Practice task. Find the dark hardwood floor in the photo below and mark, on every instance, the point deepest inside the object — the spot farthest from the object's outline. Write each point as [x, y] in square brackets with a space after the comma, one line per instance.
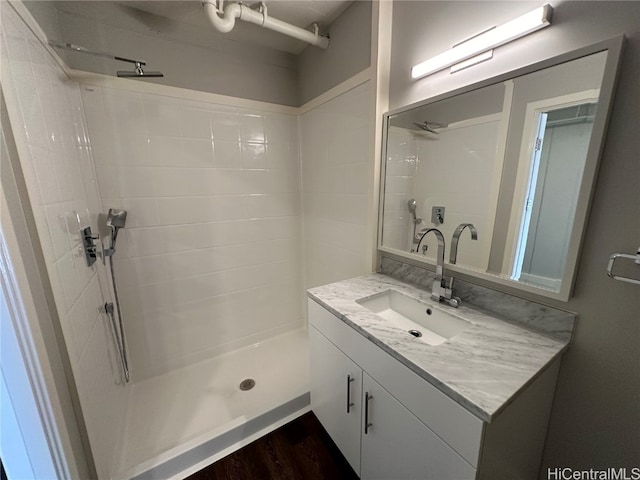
[299, 450]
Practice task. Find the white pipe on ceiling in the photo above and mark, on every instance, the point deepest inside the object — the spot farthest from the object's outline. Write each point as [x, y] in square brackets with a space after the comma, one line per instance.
[226, 22]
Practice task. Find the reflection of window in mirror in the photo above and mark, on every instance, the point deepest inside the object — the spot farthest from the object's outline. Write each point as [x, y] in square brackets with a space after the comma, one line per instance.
[560, 146]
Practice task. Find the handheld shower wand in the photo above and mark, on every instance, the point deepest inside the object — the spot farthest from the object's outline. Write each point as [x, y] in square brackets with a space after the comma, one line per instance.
[116, 219]
[412, 205]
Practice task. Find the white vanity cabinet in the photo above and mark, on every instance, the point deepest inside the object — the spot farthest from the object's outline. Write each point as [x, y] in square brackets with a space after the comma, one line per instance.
[397, 445]
[378, 435]
[336, 395]
[367, 423]
[390, 423]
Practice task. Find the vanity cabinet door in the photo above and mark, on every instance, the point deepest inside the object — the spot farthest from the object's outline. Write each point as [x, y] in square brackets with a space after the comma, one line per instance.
[336, 386]
[397, 445]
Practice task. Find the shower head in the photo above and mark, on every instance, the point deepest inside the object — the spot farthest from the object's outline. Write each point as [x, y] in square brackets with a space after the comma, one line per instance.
[412, 204]
[128, 74]
[138, 72]
[430, 127]
[116, 219]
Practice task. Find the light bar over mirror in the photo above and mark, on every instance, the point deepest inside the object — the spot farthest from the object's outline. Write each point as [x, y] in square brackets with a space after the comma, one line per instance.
[494, 37]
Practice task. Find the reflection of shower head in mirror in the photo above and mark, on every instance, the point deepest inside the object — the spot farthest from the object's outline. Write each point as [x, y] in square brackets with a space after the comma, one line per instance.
[430, 127]
[411, 205]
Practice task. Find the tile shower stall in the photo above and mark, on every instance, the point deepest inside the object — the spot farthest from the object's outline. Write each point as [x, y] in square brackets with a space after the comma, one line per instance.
[232, 213]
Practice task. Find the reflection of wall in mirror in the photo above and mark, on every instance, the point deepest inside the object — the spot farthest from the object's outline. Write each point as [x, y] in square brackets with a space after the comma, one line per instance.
[459, 170]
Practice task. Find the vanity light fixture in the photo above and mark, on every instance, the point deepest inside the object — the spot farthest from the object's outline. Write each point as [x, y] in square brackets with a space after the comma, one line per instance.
[480, 44]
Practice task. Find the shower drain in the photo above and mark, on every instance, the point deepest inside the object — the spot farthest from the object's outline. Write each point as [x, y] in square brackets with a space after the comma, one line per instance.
[247, 384]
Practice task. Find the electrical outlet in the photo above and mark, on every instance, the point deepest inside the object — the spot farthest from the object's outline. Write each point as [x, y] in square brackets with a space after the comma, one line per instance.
[437, 215]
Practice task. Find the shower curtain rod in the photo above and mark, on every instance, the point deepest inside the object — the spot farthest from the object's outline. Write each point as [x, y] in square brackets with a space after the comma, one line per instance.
[224, 19]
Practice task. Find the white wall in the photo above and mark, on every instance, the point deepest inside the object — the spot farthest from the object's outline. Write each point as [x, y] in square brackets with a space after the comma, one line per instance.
[23, 441]
[595, 415]
[210, 257]
[45, 111]
[334, 151]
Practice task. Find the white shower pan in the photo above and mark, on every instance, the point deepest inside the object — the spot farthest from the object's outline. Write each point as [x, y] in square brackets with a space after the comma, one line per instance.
[182, 421]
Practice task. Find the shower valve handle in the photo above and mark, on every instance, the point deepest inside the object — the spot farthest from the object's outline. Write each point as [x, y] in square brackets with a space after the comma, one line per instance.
[89, 247]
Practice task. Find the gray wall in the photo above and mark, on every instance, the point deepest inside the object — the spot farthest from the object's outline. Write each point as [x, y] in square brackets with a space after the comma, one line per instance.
[224, 66]
[595, 419]
[349, 53]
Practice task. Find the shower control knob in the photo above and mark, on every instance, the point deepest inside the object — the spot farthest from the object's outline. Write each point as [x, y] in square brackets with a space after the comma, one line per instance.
[88, 245]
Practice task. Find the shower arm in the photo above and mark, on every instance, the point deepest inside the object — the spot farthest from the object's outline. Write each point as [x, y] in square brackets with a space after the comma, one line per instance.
[138, 64]
[223, 18]
[78, 48]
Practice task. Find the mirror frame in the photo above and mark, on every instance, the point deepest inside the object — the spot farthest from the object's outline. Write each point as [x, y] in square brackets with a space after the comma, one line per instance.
[613, 47]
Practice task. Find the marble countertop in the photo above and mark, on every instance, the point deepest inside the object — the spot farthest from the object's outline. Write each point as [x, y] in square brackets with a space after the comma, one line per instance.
[483, 368]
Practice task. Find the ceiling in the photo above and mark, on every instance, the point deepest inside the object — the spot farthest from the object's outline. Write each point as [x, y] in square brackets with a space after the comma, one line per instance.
[186, 19]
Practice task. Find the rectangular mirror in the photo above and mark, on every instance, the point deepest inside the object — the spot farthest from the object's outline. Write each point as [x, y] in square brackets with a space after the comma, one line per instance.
[516, 157]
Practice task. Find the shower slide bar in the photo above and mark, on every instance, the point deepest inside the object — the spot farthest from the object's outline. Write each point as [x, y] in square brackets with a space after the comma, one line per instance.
[612, 260]
[115, 221]
[109, 309]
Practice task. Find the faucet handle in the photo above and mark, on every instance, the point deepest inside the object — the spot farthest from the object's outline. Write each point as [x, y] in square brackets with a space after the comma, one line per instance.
[454, 302]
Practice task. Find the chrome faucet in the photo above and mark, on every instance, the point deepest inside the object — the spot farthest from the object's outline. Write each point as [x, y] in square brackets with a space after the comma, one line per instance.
[440, 292]
[454, 247]
[456, 238]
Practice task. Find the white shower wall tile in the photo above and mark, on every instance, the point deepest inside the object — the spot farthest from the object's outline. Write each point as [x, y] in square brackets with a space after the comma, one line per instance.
[162, 117]
[80, 325]
[225, 126]
[45, 113]
[194, 123]
[213, 213]
[252, 128]
[227, 153]
[281, 130]
[335, 177]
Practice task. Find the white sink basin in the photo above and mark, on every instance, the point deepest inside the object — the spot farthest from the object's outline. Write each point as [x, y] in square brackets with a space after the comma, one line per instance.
[425, 322]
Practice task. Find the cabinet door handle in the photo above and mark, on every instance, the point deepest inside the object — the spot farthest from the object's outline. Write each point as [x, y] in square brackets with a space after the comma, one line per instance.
[349, 402]
[367, 397]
